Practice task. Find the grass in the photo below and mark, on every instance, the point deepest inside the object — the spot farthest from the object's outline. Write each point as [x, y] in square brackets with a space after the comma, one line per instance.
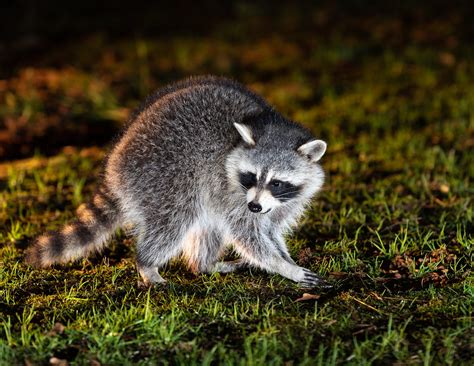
[392, 230]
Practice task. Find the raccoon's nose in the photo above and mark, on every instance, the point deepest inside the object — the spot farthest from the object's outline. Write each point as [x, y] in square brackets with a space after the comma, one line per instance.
[255, 207]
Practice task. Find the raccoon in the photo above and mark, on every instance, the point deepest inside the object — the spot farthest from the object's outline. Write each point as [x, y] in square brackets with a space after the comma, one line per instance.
[202, 165]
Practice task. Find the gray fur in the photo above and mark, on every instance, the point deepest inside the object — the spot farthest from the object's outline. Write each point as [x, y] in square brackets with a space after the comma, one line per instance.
[174, 175]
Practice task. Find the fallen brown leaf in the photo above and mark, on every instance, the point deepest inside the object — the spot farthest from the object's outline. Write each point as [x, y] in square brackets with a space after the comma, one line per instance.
[444, 188]
[307, 297]
[54, 361]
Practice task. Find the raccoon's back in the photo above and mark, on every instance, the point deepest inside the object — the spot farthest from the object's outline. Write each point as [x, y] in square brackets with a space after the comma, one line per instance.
[185, 131]
[194, 119]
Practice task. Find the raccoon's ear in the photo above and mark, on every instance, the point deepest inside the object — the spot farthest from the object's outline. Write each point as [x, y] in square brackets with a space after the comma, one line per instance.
[314, 150]
[246, 133]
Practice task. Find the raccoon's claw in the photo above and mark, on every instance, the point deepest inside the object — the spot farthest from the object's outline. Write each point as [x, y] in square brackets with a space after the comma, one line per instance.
[311, 280]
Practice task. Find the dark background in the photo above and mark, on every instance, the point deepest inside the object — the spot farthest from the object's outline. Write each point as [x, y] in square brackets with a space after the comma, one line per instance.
[135, 47]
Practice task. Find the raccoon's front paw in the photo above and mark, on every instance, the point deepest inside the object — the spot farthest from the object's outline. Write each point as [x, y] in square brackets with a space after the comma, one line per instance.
[311, 279]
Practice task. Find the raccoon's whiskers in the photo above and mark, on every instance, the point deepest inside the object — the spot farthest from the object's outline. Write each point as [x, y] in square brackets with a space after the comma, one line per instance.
[244, 188]
[287, 193]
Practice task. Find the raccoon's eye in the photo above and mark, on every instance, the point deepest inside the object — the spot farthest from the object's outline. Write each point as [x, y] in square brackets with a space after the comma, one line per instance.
[248, 180]
[283, 191]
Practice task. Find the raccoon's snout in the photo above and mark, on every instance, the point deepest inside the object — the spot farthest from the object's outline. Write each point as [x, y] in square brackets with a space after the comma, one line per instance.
[255, 207]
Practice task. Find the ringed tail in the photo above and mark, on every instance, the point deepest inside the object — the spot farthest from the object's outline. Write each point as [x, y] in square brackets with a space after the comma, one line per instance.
[95, 223]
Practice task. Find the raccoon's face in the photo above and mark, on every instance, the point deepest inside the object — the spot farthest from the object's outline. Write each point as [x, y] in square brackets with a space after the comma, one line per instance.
[265, 191]
[271, 176]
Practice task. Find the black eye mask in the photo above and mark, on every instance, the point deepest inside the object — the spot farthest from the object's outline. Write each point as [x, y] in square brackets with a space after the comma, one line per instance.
[248, 180]
[283, 191]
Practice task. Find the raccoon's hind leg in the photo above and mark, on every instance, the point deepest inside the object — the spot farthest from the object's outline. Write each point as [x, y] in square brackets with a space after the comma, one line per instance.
[229, 266]
[152, 254]
[157, 244]
[150, 275]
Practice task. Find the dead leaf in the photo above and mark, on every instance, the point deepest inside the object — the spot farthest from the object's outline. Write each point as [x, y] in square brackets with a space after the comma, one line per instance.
[444, 188]
[54, 361]
[307, 297]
